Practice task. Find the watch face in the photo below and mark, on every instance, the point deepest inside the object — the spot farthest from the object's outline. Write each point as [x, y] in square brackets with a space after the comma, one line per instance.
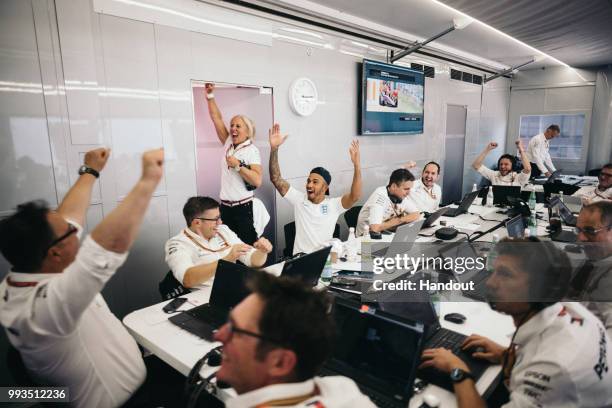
[456, 374]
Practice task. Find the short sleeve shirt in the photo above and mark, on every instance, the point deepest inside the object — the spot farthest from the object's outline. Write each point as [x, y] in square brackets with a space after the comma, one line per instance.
[379, 208]
[232, 184]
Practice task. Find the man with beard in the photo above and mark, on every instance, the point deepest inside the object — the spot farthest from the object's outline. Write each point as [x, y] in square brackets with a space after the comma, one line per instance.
[603, 191]
[560, 353]
[426, 194]
[504, 176]
[315, 214]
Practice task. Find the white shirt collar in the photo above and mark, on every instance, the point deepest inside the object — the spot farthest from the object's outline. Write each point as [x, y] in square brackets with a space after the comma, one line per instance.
[271, 393]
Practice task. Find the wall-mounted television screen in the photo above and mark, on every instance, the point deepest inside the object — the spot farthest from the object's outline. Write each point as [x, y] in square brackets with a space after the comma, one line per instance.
[391, 99]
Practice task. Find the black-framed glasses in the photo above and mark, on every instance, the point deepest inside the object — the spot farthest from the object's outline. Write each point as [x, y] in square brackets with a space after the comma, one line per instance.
[590, 231]
[216, 219]
[71, 230]
[232, 328]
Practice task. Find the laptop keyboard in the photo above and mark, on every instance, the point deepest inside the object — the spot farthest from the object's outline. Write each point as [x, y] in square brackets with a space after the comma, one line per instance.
[214, 317]
[447, 339]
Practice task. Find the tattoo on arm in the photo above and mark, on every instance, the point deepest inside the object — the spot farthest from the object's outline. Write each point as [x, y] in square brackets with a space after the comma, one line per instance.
[281, 184]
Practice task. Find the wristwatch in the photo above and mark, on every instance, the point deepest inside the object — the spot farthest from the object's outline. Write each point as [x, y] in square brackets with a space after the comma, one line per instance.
[457, 375]
[86, 169]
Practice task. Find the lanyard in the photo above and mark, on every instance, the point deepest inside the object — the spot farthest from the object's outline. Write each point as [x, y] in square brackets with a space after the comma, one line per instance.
[195, 241]
[430, 192]
[244, 144]
[20, 284]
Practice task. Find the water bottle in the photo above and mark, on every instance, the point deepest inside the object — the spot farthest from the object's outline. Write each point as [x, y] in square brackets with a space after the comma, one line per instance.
[474, 187]
[366, 233]
[326, 275]
[532, 201]
[351, 245]
[526, 233]
[490, 197]
[533, 225]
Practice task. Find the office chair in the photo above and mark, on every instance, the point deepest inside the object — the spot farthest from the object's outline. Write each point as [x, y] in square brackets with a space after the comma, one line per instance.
[169, 287]
[352, 215]
[290, 238]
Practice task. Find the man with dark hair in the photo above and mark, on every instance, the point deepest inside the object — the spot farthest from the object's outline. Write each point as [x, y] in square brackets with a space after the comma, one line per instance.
[193, 253]
[602, 191]
[425, 193]
[560, 353]
[315, 213]
[274, 343]
[592, 283]
[537, 152]
[389, 206]
[50, 302]
[504, 175]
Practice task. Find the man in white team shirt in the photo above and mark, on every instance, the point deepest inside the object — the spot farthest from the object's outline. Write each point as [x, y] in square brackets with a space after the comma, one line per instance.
[537, 152]
[560, 355]
[389, 206]
[193, 253]
[600, 192]
[425, 193]
[315, 214]
[50, 302]
[275, 342]
[504, 176]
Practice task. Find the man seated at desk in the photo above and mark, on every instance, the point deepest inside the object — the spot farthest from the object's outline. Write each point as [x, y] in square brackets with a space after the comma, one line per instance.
[425, 194]
[193, 253]
[389, 206]
[602, 191]
[503, 176]
[274, 343]
[315, 213]
[560, 354]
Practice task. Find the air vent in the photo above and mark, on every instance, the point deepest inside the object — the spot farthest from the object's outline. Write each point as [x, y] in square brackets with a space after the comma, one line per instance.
[430, 72]
[466, 77]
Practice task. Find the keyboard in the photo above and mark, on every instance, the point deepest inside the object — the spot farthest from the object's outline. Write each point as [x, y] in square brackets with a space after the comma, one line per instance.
[453, 212]
[211, 315]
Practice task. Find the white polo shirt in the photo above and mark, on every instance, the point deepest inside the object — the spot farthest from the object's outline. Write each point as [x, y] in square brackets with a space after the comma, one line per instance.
[511, 179]
[232, 184]
[314, 223]
[563, 359]
[592, 194]
[187, 249]
[328, 392]
[379, 208]
[537, 152]
[66, 334]
[425, 200]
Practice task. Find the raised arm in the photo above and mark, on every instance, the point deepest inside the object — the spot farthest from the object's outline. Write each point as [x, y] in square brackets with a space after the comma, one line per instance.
[118, 230]
[277, 139]
[215, 113]
[353, 196]
[76, 202]
[524, 159]
[478, 162]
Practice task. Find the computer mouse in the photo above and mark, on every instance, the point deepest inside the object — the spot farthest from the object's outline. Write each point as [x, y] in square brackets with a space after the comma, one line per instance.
[457, 318]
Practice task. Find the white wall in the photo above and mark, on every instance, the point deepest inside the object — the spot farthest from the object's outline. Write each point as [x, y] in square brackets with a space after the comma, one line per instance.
[128, 86]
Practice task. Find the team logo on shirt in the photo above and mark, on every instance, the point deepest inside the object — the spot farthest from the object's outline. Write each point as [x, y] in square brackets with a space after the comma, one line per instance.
[602, 366]
[324, 209]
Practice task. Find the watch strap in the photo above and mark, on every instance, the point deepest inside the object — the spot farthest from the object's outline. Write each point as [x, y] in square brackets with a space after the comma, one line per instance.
[86, 169]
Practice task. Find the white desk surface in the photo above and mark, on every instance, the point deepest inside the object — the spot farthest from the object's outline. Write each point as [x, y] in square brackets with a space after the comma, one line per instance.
[181, 350]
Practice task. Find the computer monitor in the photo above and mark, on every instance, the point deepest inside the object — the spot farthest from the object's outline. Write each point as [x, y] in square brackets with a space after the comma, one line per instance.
[501, 194]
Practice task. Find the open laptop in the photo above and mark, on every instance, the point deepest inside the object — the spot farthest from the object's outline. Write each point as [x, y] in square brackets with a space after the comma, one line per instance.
[228, 290]
[559, 188]
[404, 238]
[515, 227]
[308, 267]
[475, 274]
[380, 352]
[501, 194]
[545, 180]
[568, 218]
[435, 335]
[465, 204]
[433, 217]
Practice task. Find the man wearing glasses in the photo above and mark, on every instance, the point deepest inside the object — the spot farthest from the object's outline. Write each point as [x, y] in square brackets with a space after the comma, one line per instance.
[50, 302]
[560, 354]
[603, 191]
[592, 284]
[193, 253]
[274, 343]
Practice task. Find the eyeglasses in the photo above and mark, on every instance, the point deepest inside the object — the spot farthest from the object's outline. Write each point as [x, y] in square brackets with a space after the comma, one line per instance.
[216, 219]
[71, 230]
[604, 175]
[590, 231]
[231, 329]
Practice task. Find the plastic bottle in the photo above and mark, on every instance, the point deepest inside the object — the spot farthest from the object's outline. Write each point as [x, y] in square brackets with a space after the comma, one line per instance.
[492, 253]
[532, 201]
[533, 225]
[326, 275]
[490, 197]
[351, 245]
[474, 187]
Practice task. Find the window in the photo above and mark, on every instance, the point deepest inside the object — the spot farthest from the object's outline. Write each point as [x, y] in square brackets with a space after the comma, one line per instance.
[568, 145]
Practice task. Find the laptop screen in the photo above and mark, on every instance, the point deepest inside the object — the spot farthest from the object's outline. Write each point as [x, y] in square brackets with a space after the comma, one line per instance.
[307, 268]
[515, 227]
[501, 194]
[377, 351]
[229, 286]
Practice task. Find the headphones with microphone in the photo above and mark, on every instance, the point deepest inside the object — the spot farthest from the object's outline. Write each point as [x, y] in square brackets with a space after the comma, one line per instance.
[196, 384]
[394, 199]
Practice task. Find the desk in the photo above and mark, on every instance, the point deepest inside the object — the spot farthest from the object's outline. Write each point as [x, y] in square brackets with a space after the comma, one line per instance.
[181, 350]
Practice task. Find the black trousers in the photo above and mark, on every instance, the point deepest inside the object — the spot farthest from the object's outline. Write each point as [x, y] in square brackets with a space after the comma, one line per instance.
[240, 220]
[535, 171]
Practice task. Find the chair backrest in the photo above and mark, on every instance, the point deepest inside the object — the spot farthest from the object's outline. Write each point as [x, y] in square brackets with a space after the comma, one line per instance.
[169, 287]
[290, 238]
[352, 215]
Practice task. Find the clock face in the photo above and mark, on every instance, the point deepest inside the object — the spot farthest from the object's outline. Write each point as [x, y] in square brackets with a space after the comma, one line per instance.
[303, 96]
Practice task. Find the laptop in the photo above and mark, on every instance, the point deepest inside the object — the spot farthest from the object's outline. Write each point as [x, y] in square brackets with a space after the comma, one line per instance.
[433, 217]
[435, 335]
[477, 275]
[559, 188]
[380, 352]
[404, 238]
[546, 180]
[515, 227]
[501, 194]
[465, 204]
[228, 290]
[568, 218]
[308, 267]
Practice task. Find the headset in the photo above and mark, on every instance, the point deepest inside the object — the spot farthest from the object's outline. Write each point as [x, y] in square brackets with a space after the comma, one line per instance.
[509, 157]
[196, 384]
[394, 199]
